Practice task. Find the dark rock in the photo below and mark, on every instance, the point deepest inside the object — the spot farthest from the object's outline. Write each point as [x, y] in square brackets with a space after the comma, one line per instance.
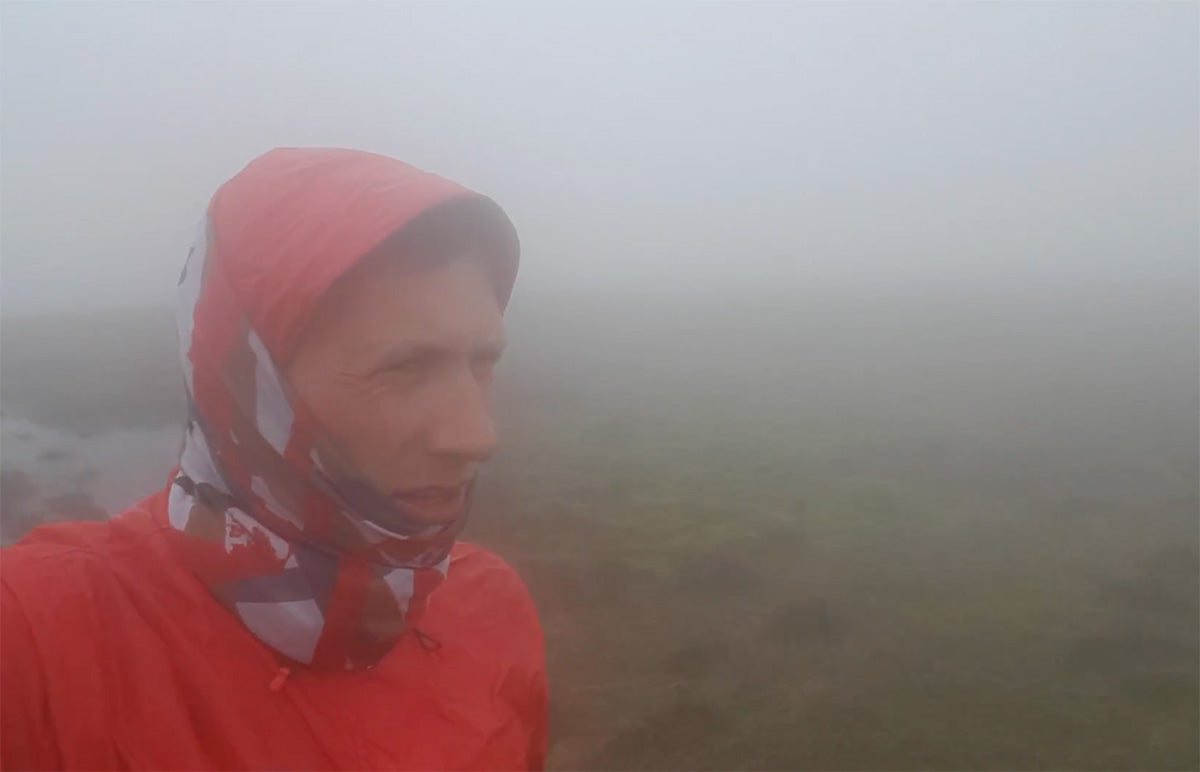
[17, 489]
[74, 506]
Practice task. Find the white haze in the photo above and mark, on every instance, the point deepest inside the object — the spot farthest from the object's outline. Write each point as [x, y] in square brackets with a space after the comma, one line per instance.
[684, 146]
[919, 492]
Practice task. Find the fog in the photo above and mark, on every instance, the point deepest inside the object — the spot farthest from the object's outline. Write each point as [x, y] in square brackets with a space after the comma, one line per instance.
[981, 144]
[850, 414]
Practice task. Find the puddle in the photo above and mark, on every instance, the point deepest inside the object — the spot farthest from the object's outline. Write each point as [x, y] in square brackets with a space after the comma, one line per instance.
[54, 473]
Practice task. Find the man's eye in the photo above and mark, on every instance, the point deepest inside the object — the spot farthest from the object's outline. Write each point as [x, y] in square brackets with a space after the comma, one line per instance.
[405, 366]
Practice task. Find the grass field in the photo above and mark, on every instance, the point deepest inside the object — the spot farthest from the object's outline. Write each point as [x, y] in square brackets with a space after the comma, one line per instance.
[842, 531]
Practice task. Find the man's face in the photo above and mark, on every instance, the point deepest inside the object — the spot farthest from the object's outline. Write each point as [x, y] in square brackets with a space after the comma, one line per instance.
[397, 366]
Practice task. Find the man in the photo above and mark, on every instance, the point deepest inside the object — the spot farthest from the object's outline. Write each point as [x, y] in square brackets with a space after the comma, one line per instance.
[295, 597]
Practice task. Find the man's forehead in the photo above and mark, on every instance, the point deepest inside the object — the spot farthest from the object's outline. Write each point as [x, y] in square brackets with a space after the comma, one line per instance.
[451, 304]
[446, 328]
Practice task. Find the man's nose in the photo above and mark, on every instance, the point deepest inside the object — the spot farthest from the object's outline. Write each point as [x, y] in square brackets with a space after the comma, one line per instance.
[464, 426]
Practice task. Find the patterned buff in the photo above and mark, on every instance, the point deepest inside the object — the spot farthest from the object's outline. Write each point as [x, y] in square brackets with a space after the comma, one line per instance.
[315, 562]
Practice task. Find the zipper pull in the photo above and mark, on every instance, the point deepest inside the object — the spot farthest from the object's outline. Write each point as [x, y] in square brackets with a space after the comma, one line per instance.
[277, 682]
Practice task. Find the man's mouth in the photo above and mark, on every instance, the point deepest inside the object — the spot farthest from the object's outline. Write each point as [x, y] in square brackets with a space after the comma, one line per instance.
[433, 503]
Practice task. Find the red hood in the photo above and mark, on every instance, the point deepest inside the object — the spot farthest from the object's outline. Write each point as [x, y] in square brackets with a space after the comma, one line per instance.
[295, 219]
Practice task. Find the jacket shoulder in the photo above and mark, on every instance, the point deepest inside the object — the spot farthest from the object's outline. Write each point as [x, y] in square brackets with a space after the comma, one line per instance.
[54, 560]
[485, 594]
[486, 572]
[61, 610]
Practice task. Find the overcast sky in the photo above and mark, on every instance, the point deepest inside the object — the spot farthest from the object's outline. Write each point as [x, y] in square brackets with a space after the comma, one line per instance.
[689, 145]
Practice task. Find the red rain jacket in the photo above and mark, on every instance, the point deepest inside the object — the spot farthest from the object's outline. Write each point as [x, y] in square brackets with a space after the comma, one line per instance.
[114, 656]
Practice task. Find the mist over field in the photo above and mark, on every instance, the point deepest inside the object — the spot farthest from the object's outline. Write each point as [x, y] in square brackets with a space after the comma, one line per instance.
[850, 416]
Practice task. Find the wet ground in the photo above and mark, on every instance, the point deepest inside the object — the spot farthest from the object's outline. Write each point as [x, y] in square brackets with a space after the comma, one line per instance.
[839, 532]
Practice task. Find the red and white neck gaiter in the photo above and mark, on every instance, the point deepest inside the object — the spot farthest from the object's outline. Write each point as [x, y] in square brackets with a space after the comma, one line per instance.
[315, 562]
